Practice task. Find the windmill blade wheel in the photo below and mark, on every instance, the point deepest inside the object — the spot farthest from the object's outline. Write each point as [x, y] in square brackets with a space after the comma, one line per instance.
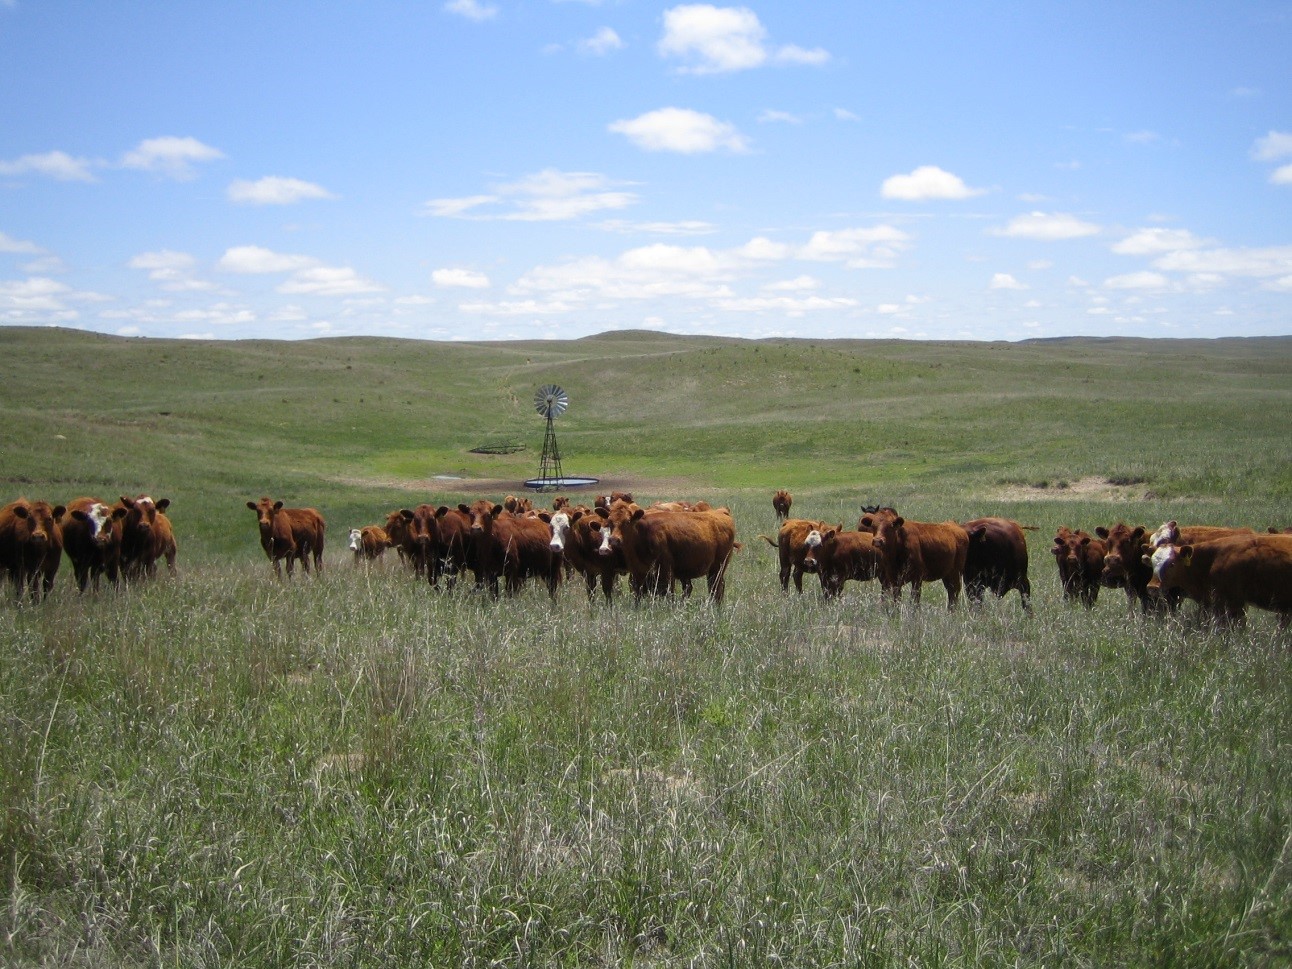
[551, 401]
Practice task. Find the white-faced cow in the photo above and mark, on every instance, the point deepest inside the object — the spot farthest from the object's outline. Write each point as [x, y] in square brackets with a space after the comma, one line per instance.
[837, 556]
[793, 541]
[368, 543]
[92, 540]
[1226, 575]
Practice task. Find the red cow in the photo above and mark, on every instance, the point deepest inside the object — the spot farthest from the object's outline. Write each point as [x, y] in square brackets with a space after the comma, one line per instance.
[1124, 567]
[996, 560]
[1171, 533]
[92, 540]
[368, 543]
[605, 501]
[146, 536]
[512, 547]
[576, 534]
[839, 556]
[1080, 558]
[918, 552]
[416, 534]
[781, 502]
[1226, 575]
[792, 542]
[456, 549]
[666, 545]
[31, 545]
[289, 534]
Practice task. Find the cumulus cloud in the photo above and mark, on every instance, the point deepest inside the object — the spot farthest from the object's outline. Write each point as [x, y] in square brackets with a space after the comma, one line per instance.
[1282, 175]
[307, 275]
[1271, 262]
[257, 259]
[57, 165]
[601, 43]
[681, 130]
[718, 40]
[472, 10]
[464, 278]
[876, 247]
[9, 244]
[927, 182]
[273, 190]
[170, 156]
[1150, 242]
[1046, 226]
[1140, 280]
[174, 270]
[1005, 281]
[1273, 146]
[546, 196]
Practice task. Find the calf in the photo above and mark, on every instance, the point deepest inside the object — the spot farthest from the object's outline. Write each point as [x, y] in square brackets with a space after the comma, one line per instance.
[1226, 575]
[146, 536]
[667, 545]
[996, 559]
[781, 502]
[368, 543]
[792, 543]
[513, 548]
[1080, 558]
[92, 540]
[918, 552]
[289, 534]
[838, 556]
[31, 546]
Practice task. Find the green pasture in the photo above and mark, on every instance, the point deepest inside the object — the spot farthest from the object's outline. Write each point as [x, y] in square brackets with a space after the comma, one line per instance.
[354, 769]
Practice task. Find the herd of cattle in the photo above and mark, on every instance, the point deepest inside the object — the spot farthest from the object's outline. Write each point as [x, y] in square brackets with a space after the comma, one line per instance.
[668, 543]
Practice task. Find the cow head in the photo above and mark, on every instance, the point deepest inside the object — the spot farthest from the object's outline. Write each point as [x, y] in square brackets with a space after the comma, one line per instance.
[356, 539]
[100, 521]
[618, 521]
[1167, 561]
[36, 523]
[1168, 534]
[560, 525]
[265, 510]
[481, 514]
[1125, 545]
[812, 545]
[872, 516]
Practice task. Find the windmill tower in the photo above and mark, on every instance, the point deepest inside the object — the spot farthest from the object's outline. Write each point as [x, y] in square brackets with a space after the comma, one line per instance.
[551, 402]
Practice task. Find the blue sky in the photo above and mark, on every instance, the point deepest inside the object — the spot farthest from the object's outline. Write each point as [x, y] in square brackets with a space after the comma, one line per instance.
[516, 169]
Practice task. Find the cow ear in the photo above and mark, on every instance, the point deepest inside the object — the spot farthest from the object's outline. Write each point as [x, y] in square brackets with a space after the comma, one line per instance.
[20, 511]
[251, 505]
[867, 522]
[575, 517]
[163, 504]
[464, 508]
[830, 533]
[545, 518]
[441, 511]
[278, 506]
[495, 511]
[899, 521]
[406, 514]
[59, 511]
[978, 531]
[1138, 533]
[638, 514]
[1102, 532]
[79, 515]
[1186, 554]
[594, 524]
[1085, 540]
[602, 512]
[119, 513]
[130, 502]
[1146, 559]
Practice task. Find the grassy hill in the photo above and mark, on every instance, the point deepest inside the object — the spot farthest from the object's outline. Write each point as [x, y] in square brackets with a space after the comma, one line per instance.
[355, 769]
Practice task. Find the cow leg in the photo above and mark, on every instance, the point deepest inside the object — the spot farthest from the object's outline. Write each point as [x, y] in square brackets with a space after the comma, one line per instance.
[952, 584]
[1025, 593]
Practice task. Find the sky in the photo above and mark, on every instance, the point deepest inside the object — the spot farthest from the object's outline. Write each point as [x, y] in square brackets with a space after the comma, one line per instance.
[551, 169]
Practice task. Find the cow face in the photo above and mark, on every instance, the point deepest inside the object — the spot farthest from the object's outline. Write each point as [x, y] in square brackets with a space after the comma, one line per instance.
[1168, 534]
[356, 540]
[99, 520]
[264, 508]
[620, 519]
[1166, 562]
[36, 524]
[560, 525]
[482, 514]
[812, 547]
[1124, 546]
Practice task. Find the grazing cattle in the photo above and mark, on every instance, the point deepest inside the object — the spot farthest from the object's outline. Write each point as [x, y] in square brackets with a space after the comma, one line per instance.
[92, 540]
[146, 536]
[681, 506]
[1080, 558]
[661, 546]
[839, 556]
[576, 535]
[918, 552]
[605, 501]
[368, 543]
[996, 560]
[289, 534]
[456, 550]
[1226, 575]
[781, 502]
[1171, 533]
[1124, 565]
[792, 542]
[31, 545]
[415, 534]
[512, 547]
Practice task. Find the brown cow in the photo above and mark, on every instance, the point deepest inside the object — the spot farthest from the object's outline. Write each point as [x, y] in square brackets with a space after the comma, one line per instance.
[605, 501]
[665, 545]
[1124, 567]
[1080, 558]
[918, 552]
[415, 533]
[368, 543]
[289, 534]
[781, 502]
[92, 540]
[996, 560]
[1226, 575]
[840, 556]
[576, 534]
[31, 545]
[512, 547]
[456, 550]
[1172, 533]
[146, 536]
[791, 544]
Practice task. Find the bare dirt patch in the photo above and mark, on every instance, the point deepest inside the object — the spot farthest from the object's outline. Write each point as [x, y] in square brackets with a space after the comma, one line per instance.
[1082, 489]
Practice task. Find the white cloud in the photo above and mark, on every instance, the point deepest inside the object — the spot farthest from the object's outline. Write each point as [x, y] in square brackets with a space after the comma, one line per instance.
[256, 259]
[1273, 146]
[800, 284]
[546, 196]
[1046, 226]
[601, 43]
[174, 270]
[1150, 242]
[328, 281]
[1263, 263]
[170, 156]
[718, 40]
[872, 248]
[52, 164]
[465, 278]
[273, 190]
[1140, 280]
[1281, 176]
[1005, 281]
[690, 227]
[680, 130]
[9, 244]
[1141, 137]
[771, 115]
[472, 10]
[927, 182]
[843, 114]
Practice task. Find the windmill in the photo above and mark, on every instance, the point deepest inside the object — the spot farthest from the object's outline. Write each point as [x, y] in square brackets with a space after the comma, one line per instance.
[551, 402]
